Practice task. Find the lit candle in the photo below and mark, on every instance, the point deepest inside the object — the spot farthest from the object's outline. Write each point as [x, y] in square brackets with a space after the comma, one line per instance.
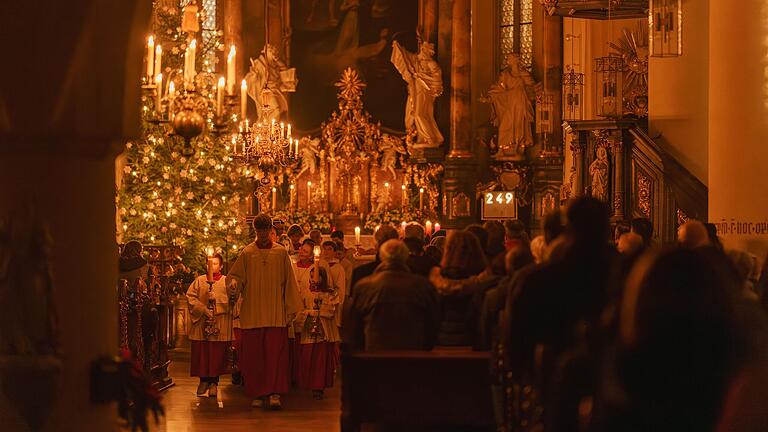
[158, 60]
[220, 97]
[429, 227]
[437, 226]
[293, 196]
[282, 130]
[209, 264]
[272, 127]
[289, 130]
[192, 66]
[357, 235]
[296, 149]
[171, 98]
[150, 57]
[231, 70]
[402, 226]
[421, 198]
[309, 195]
[404, 196]
[274, 199]
[159, 91]
[316, 252]
[243, 99]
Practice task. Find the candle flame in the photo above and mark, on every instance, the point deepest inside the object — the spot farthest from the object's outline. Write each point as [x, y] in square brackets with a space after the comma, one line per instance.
[151, 40]
[193, 44]
[232, 52]
[221, 82]
[243, 85]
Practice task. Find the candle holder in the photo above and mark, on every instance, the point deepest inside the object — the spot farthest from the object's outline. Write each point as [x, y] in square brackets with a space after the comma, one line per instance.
[211, 329]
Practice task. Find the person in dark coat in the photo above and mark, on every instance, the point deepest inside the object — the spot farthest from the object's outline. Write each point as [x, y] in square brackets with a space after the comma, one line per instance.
[392, 309]
[418, 262]
[384, 233]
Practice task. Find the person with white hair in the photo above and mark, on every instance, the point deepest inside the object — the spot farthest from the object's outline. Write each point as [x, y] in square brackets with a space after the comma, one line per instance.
[392, 309]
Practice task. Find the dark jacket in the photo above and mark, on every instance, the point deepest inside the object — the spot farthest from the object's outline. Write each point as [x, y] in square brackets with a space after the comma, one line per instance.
[393, 309]
[421, 264]
[361, 272]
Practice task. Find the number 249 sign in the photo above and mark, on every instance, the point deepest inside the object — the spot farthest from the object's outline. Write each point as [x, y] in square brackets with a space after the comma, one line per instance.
[499, 205]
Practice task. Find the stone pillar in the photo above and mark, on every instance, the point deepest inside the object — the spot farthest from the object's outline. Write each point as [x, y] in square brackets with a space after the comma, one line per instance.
[233, 34]
[428, 13]
[617, 149]
[577, 148]
[58, 143]
[459, 202]
[738, 130]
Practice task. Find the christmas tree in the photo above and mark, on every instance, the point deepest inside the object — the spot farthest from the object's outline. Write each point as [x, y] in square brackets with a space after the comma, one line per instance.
[166, 197]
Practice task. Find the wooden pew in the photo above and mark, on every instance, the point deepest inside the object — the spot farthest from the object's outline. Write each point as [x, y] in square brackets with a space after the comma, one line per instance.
[445, 389]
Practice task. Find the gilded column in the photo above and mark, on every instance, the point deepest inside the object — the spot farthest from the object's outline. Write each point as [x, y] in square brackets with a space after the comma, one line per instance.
[577, 148]
[617, 148]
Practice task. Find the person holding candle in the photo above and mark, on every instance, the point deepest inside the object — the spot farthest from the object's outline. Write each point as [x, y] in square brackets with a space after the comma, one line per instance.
[264, 276]
[321, 295]
[209, 351]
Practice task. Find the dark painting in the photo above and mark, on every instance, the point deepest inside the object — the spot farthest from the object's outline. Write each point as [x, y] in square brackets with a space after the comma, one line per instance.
[330, 35]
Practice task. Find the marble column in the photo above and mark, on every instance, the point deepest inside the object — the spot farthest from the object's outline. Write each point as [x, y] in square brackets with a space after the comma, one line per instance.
[233, 34]
[459, 202]
[461, 112]
[738, 130]
[58, 143]
[428, 13]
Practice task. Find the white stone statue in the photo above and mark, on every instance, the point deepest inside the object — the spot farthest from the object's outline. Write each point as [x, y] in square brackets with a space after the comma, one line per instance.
[425, 83]
[598, 170]
[511, 97]
[382, 200]
[310, 149]
[390, 147]
[267, 88]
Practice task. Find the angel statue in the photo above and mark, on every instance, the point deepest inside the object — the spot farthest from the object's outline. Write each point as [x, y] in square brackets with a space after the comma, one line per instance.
[390, 147]
[511, 97]
[268, 79]
[425, 83]
[310, 149]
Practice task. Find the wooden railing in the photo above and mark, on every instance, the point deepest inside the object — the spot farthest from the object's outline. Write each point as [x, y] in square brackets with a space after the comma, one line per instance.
[643, 179]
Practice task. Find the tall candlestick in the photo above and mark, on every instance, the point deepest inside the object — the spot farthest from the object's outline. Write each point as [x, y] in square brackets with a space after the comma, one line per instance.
[159, 92]
[357, 235]
[158, 60]
[231, 70]
[309, 195]
[428, 227]
[150, 58]
[274, 199]
[243, 99]
[421, 198]
[293, 196]
[220, 97]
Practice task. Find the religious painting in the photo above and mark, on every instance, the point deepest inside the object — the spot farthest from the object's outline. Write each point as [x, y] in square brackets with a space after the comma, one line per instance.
[331, 35]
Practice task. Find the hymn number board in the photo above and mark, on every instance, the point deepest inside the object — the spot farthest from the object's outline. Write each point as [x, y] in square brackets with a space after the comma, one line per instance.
[499, 205]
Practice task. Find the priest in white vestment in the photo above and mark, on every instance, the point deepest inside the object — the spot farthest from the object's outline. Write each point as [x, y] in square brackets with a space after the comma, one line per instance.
[264, 277]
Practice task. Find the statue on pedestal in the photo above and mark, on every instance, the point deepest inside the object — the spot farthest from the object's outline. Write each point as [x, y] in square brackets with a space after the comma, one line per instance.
[390, 147]
[598, 169]
[511, 97]
[267, 80]
[425, 83]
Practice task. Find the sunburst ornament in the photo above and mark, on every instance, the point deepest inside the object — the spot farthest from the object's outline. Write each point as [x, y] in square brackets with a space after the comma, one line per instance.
[633, 48]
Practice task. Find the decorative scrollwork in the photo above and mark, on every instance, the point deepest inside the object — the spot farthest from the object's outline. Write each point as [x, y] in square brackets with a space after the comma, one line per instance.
[644, 195]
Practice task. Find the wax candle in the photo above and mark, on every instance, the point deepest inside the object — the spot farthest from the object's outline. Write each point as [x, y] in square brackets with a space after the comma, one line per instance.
[437, 226]
[209, 264]
[421, 198]
[296, 149]
[274, 199]
[429, 227]
[282, 130]
[402, 226]
[159, 92]
[404, 196]
[171, 99]
[293, 196]
[357, 235]
[158, 60]
[231, 68]
[309, 195]
[150, 57]
[192, 66]
[220, 97]
[243, 99]
[316, 252]
[289, 131]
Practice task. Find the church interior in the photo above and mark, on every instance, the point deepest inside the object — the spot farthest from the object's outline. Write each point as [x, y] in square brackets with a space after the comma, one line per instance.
[433, 215]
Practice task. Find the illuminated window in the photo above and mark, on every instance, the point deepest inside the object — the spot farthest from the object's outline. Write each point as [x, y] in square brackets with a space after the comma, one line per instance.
[516, 30]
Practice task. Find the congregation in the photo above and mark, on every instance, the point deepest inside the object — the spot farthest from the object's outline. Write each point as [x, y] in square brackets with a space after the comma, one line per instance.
[587, 329]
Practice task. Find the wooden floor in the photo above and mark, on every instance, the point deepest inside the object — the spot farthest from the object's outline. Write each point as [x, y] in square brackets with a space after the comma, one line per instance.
[231, 411]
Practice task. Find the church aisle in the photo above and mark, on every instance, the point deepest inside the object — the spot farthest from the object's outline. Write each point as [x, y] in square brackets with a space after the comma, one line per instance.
[231, 411]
